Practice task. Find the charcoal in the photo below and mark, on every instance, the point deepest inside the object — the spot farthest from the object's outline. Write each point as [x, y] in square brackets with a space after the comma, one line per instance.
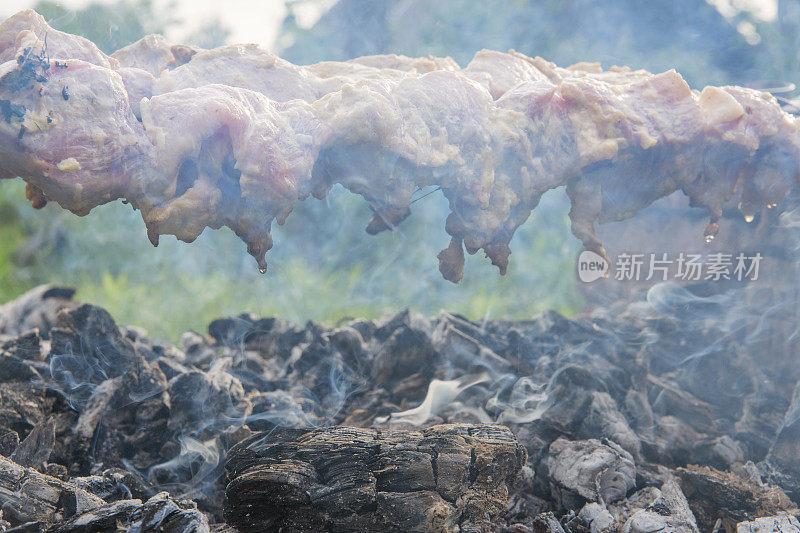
[604, 420]
[15, 369]
[638, 501]
[9, 440]
[102, 518]
[715, 494]
[27, 346]
[383, 425]
[159, 513]
[578, 472]
[546, 523]
[90, 347]
[351, 478]
[163, 513]
[523, 504]
[720, 452]
[762, 418]
[35, 450]
[388, 325]
[769, 524]
[464, 351]
[202, 401]
[23, 406]
[29, 496]
[405, 352]
[114, 484]
[784, 456]
[669, 511]
[277, 408]
[36, 309]
[569, 397]
[197, 349]
[234, 330]
[349, 342]
[597, 518]
[124, 420]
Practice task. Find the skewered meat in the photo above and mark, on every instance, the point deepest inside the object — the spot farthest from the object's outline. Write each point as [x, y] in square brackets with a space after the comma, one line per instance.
[235, 136]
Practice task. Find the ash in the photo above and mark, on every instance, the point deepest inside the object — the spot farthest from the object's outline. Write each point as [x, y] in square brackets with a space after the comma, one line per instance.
[675, 411]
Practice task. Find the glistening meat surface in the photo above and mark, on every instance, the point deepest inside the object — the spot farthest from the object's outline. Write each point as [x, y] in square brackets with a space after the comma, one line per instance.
[235, 136]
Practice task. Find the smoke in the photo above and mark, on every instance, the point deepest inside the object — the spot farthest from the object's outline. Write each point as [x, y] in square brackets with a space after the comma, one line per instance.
[440, 394]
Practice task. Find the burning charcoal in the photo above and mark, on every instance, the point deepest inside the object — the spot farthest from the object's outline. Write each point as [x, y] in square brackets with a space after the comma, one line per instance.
[366, 328]
[720, 452]
[35, 450]
[575, 403]
[668, 512]
[769, 524]
[714, 494]
[587, 471]
[523, 504]
[197, 349]
[351, 478]
[28, 496]
[96, 408]
[171, 368]
[267, 335]
[36, 309]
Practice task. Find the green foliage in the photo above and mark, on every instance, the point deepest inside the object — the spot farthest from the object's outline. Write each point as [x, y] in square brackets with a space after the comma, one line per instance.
[109, 26]
[13, 231]
[324, 267]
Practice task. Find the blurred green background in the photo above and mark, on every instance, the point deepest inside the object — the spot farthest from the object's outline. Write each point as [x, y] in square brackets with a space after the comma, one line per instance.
[324, 266]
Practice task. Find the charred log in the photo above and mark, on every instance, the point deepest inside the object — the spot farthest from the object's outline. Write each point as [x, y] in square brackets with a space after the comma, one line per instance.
[450, 477]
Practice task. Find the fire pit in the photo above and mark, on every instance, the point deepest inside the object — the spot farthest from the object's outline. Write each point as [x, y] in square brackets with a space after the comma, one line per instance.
[673, 406]
[261, 424]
